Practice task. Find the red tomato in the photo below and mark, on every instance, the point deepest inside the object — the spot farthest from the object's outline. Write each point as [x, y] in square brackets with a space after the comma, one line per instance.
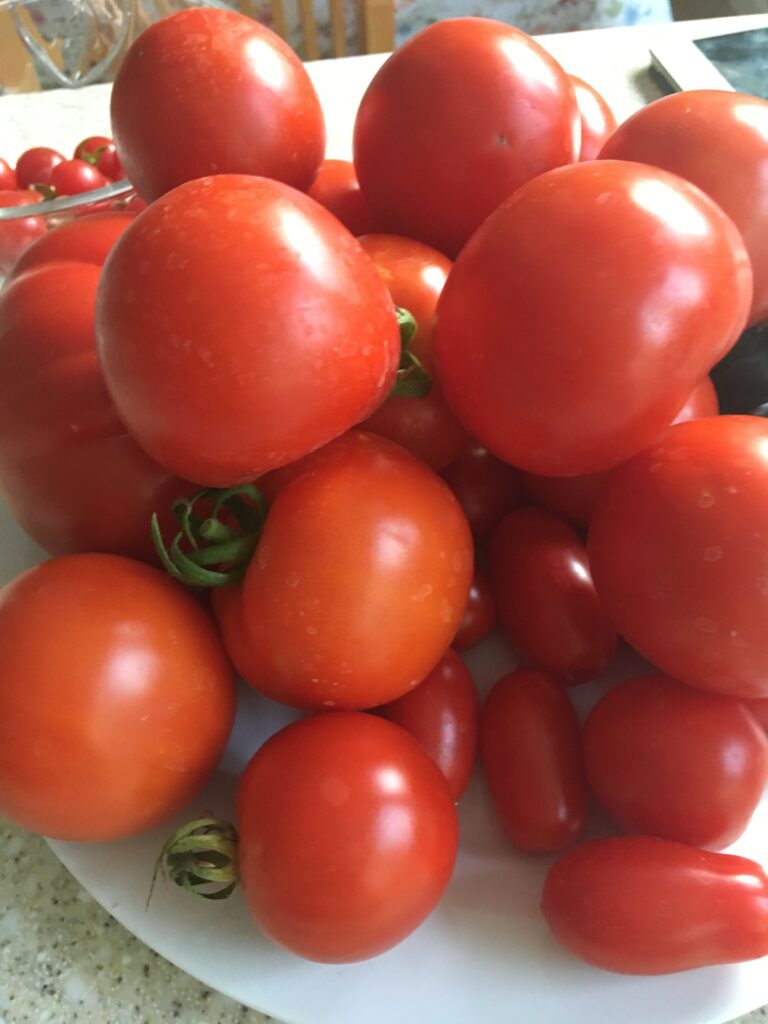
[678, 550]
[18, 234]
[337, 189]
[486, 488]
[530, 746]
[209, 91]
[681, 132]
[84, 240]
[72, 177]
[35, 166]
[348, 836]
[759, 710]
[92, 147]
[479, 615]
[479, 108]
[7, 177]
[109, 164]
[73, 478]
[598, 121]
[640, 905]
[443, 713]
[667, 760]
[122, 713]
[415, 274]
[545, 597]
[193, 341]
[563, 394]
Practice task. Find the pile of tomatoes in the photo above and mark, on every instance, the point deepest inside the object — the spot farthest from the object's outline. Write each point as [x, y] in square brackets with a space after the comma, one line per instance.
[256, 442]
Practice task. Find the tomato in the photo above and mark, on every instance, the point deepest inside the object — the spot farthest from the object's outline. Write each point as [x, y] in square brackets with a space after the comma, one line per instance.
[72, 177]
[681, 132]
[7, 177]
[460, 116]
[759, 710]
[677, 545]
[84, 240]
[114, 722]
[565, 367]
[479, 615]
[667, 760]
[415, 274]
[486, 488]
[337, 189]
[73, 478]
[442, 713]
[348, 836]
[221, 373]
[530, 746]
[109, 164]
[92, 147]
[35, 166]
[210, 91]
[598, 121]
[641, 905]
[18, 234]
[545, 597]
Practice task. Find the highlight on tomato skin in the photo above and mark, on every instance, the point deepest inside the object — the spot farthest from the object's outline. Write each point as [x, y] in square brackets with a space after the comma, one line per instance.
[479, 616]
[598, 122]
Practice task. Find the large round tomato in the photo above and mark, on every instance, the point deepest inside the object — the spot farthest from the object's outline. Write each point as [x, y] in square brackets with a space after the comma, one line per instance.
[84, 240]
[226, 360]
[597, 119]
[211, 91]
[564, 366]
[718, 140]
[458, 118]
[679, 553]
[348, 836]
[117, 698]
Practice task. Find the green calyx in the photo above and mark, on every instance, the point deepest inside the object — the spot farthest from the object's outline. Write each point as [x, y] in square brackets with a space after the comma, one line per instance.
[412, 380]
[203, 853]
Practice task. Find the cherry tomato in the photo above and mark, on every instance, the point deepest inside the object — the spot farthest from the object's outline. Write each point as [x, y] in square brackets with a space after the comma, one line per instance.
[94, 144]
[641, 905]
[337, 189]
[7, 177]
[415, 274]
[237, 100]
[598, 121]
[109, 164]
[479, 615]
[617, 373]
[545, 597]
[681, 132]
[124, 710]
[460, 116]
[443, 713]
[348, 836]
[667, 760]
[35, 166]
[193, 341]
[677, 545]
[486, 488]
[17, 235]
[84, 240]
[72, 177]
[530, 746]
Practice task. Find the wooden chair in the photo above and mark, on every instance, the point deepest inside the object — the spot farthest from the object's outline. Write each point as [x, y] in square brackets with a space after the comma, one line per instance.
[375, 25]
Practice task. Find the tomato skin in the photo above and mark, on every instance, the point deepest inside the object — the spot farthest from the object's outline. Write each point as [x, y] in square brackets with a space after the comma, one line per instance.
[680, 133]
[758, 708]
[84, 240]
[678, 554]
[122, 713]
[359, 580]
[477, 101]
[17, 235]
[479, 616]
[616, 375]
[667, 760]
[35, 166]
[641, 905]
[545, 598]
[7, 177]
[486, 488]
[71, 177]
[109, 164]
[442, 713]
[598, 121]
[210, 341]
[337, 189]
[530, 746]
[348, 836]
[90, 145]
[207, 91]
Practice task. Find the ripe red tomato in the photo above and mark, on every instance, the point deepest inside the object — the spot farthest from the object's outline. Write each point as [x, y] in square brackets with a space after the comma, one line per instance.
[759, 710]
[94, 144]
[348, 836]
[545, 597]
[681, 132]
[193, 341]
[18, 234]
[72, 177]
[486, 488]
[210, 91]
[122, 713]
[598, 121]
[7, 177]
[667, 760]
[641, 905]
[479, 616]
[109, 164]
[563, 394]
[443, 713]
[35, 166]
[84, 240]
[530, 746]
[337, 189]
[415, 274]
[677, 545]
[481, 109]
